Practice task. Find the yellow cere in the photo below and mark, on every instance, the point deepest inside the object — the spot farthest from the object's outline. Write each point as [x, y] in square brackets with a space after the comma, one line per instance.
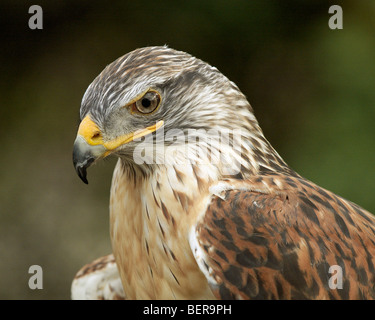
[90, 131]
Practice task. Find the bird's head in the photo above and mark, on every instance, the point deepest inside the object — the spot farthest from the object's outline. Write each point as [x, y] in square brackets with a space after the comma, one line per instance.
[151, 90]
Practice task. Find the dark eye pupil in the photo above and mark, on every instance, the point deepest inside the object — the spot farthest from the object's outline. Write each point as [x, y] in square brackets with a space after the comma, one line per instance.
[146, 103]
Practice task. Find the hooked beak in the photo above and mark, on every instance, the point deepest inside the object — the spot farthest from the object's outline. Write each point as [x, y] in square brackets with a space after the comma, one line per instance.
[84, 155]
[89, 145]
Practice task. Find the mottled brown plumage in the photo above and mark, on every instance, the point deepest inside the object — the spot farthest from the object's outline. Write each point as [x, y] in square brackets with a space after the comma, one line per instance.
[279, 241]
[202, 219]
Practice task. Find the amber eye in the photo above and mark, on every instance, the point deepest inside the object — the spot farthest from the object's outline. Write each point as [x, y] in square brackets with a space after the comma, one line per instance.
[148, 103]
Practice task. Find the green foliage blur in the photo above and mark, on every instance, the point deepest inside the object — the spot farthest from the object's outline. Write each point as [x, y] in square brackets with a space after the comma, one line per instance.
[312, 88]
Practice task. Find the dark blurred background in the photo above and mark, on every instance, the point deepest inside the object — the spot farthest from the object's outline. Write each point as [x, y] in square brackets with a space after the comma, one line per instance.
[312, 88]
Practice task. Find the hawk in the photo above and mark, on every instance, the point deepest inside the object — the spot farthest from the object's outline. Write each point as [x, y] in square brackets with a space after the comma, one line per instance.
[201, 205]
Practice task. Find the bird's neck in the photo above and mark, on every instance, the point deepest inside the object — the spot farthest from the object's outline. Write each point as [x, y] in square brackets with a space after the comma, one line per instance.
[258, 157]
[150, 219]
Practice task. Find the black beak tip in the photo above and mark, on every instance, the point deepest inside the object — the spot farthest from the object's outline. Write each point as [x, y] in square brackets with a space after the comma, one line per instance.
[82, 173]
[81, 168]
[82, 158]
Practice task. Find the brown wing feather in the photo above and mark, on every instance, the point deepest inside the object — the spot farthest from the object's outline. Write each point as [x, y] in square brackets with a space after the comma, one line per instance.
[281, 244]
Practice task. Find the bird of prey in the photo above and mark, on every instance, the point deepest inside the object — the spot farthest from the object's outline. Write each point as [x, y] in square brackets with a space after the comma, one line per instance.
[201, 205]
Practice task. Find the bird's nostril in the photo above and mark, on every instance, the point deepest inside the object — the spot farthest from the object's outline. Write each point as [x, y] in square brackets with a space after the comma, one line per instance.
[96, 135]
